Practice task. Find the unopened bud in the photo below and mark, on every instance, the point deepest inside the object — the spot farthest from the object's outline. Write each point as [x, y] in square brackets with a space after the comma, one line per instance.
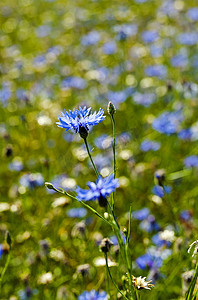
[8, 238]
[111, 108]
[160, 176]
[49, 185]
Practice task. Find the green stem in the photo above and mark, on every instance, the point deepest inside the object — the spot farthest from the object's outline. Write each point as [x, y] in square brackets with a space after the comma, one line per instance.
[61, 191]
[4, 270]
[106, 259]
[114, 157]
[124, 249]
[114, 154]
[107, 280]
[87, 147]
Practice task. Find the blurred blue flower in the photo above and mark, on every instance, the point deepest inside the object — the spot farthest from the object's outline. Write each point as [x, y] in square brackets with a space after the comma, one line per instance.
[168, 122]
[149, 224]
[153, 258]
[124, 137]
[125, 30]
[156, 71]
[188, 38]
[141, 1]
[5, 94]
[114, 239]
[109, 48]
[93, 295]
[156, 51]
[39, 61]
[185, 134]
[21, 94]
[191, 161]
[92, 38]
[27, 293]
[80, 120]
[141, 214]
[120, 96]
[148, 145]
[102, 161]
[99, 190]
[77, 212]
[150, 36]
[185, 215]
[31, 180]
[1, 250]
[144, 99]
[62, 181]
[180, 60]
[158, 190]
[148, 260]
[73, 82]
[192, 13]
[43, 31]
[156, 239]
[103, 142]
[167, 189]
[16, 165]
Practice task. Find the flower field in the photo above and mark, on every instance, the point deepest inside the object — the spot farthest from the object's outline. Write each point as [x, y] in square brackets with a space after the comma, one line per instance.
[99, 149]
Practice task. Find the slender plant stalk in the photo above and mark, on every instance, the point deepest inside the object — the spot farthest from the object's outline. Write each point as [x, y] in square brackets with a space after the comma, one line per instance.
[106, 259]
[107, 281]
[114, 154]
[4, 270]
[87, 147]
[189, 293]
[114, 157]
[124, 249]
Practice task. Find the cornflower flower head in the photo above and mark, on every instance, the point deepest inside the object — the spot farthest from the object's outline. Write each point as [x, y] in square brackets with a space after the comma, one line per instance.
[99, 190]
[80, 120]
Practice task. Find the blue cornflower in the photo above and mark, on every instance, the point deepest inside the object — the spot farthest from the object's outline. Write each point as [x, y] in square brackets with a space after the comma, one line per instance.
[191, 161]
[77, 212]
[156, 71]
[168, 122]
[188, 38]
[99, 190]
[148, 145]
[158, 190]
[141, 214]
[185, 215]
[144, 99]
[150, 36]
[31, 180]
[149, 224]
[192, 13]
[185, 134]
[93, 295]
[80, 120]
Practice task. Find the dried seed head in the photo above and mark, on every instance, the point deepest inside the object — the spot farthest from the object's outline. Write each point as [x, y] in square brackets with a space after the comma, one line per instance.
[83, 269]
[105, 245]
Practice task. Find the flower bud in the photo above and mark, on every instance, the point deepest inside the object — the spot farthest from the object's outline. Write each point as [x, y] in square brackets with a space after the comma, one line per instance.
[160, 176]
[8, 238]
[111, 109]
[49, 185]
